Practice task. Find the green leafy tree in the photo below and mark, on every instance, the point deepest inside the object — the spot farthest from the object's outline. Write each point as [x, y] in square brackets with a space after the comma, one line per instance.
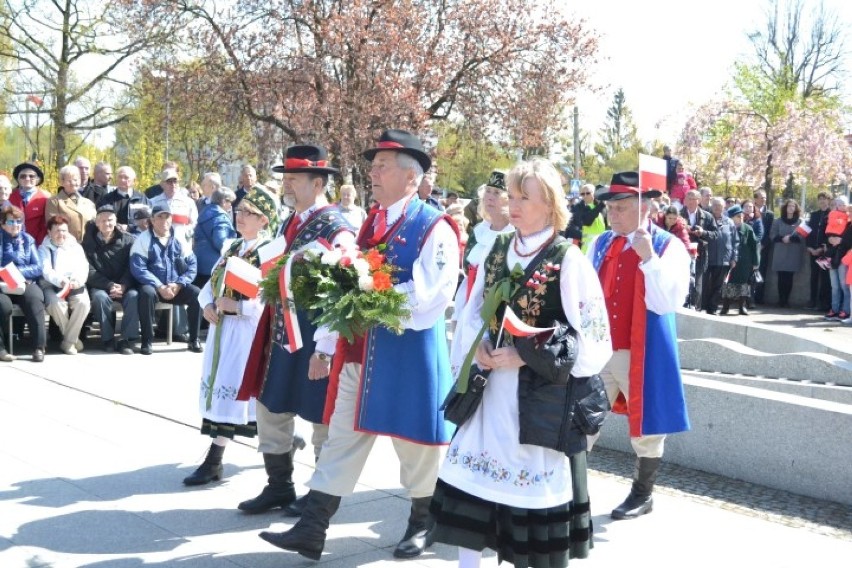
[465, 161]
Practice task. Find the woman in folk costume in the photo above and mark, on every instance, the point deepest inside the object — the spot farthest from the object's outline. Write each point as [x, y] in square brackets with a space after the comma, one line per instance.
[502, 485]
[494, 209]
[233, 319]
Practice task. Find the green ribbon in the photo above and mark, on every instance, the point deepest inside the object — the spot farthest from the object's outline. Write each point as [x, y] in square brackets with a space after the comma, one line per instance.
[214, 366]
[500, 292]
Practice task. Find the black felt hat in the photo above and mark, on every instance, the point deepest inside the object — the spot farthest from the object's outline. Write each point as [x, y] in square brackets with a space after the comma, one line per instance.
[624, 185]
[401, 141]
[28, 166]
[305, 159]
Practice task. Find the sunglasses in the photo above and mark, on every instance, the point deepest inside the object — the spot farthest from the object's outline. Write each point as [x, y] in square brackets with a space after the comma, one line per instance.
[13, 222]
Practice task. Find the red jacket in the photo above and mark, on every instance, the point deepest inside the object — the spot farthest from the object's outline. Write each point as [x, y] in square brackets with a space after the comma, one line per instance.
[679, 231]
[34, 222]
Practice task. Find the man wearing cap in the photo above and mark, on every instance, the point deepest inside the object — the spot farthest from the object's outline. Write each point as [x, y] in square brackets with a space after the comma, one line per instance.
[165, 267]
[369, 397]
[30, 199]
[184, 212]
[294, 384]
[108, 252]
[125, 200]
[641, 266]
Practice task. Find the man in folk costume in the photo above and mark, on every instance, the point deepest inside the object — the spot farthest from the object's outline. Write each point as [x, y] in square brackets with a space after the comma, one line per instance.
[289, 384]
[373, 396]
[645, 276]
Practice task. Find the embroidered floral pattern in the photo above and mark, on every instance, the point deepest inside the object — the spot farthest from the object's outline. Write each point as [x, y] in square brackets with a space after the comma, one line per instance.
[594, 322]
[490, 468]
[220, 392]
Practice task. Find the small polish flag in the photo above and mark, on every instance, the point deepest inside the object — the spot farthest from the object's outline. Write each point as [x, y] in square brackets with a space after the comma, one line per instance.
[242, 277]
[12, 277]
[803, 230]
[180, 212]
[271, 253]
[66, 289]
[652, 173]
[513, 325]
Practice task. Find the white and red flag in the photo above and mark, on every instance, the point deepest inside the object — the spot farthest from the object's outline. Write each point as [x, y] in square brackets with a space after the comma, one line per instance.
[180, 212]
[271, 253]
[242, 277]
[12, 277]
[513, 325]
[804, 230]
[652, 173]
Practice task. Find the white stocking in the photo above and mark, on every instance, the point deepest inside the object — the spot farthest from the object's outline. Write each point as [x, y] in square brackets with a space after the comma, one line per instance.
[221, 440]
[469, 558]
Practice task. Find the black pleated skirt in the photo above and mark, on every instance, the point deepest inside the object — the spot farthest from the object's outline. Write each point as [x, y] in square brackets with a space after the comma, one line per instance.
[216, 429]
[526, 538]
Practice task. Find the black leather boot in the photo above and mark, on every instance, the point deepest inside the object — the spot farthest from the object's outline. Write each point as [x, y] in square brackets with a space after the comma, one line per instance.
[418, 535]
[640, 501]
[279, 490]
[297, 507]
[307, 537]
[210, 470]
[726, 305]
[743, 308]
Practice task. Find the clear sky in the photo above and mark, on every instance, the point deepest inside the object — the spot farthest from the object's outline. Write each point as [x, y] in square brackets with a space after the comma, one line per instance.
[670, 55]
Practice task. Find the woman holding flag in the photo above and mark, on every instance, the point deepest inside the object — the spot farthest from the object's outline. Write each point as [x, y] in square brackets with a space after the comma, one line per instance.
[20, 269]
[231, 304]
[493, 491]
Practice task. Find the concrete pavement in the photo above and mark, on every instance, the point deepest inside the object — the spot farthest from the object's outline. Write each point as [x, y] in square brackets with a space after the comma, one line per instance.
[96, 446]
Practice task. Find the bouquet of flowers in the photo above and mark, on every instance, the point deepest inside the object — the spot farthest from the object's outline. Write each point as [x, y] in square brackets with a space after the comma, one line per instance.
[347, 290]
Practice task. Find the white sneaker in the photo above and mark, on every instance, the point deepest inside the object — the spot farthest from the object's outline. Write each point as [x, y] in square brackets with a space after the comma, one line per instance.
[68, 348]
[847, 321]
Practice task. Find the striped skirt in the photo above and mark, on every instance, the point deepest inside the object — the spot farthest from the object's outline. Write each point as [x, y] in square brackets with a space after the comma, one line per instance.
[526, 538]
[216, 429]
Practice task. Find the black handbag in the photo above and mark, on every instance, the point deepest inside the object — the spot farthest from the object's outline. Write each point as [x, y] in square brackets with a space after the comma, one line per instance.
[591, 405]
[458, 407]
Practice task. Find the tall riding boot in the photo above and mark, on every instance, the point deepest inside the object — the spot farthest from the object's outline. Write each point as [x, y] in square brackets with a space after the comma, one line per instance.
[640, 501]
[726, 305]
[210, 470]
[307, 537]
[418, 535]
[279, 490]
[296, 508]
[743, 305]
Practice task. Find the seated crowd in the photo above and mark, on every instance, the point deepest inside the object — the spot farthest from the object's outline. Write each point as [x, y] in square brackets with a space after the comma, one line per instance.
[93, 249]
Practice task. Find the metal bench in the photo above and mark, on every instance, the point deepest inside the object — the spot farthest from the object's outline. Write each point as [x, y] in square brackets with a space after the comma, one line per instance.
[17, 312]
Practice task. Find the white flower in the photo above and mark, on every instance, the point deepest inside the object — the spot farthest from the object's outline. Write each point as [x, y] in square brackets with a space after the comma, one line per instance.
[331, 257]
[361, 266]
[365, 283]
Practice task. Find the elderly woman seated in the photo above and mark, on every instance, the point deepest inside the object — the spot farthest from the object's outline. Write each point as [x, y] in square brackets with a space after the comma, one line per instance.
[64, 282]
[18, 249]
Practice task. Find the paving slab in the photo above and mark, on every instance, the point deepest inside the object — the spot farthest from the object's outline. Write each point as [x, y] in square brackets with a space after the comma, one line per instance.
[94, 479]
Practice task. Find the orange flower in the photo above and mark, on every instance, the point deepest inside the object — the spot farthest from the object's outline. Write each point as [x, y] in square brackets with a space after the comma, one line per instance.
[374, 258]
[381, 281]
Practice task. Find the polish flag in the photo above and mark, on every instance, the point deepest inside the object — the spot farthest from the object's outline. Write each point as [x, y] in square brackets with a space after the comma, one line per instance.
[803, 230]
[652, 173]
[12, 277]
[180, 212]
[513, 325]
[63, 293]
[242, 277]
[271, 253]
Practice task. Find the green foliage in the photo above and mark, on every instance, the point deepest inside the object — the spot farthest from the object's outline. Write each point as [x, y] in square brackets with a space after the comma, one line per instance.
[465, 161]
[619, 147]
